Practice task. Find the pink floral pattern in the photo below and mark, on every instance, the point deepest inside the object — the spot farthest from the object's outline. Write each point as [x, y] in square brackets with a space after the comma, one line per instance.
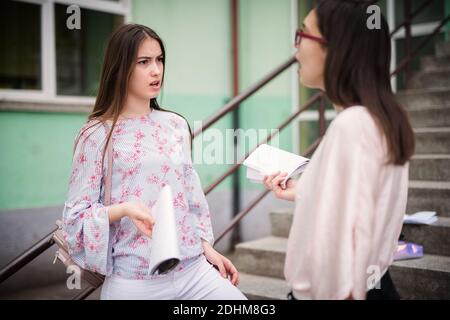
[148, 153]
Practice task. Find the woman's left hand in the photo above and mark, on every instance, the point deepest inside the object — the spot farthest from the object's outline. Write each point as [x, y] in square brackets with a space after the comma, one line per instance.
[225, 266]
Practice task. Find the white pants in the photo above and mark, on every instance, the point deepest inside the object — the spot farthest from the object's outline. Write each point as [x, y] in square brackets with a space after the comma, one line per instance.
[199, 281]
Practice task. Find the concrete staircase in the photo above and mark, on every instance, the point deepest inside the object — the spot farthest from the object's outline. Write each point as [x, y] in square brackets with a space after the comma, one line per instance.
[427, 101]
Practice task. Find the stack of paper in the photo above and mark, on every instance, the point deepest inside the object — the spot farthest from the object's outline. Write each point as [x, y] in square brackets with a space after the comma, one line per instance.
[165, 253]
[423, 217]
[267, 160]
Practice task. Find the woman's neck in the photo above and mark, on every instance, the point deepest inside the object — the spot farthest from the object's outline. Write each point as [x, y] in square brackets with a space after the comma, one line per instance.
[135, 107]
[338, 108]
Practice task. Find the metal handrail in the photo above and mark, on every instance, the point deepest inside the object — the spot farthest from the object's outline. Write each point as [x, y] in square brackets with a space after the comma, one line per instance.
[267, 139]
[412, 16]
[236, 101]
[258, 199]
[408, 59]
[27, 256]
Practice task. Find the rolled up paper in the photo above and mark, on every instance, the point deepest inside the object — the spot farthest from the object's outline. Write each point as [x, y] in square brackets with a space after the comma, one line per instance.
[164, 253]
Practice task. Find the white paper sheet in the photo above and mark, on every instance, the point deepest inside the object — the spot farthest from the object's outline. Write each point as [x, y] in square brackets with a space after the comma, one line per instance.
[423, 217]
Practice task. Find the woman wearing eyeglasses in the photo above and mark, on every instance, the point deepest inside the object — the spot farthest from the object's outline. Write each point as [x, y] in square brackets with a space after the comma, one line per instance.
[351, 199]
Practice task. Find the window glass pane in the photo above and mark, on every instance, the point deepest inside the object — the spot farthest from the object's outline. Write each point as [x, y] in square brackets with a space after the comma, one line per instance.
[20, 39]
[79, 53]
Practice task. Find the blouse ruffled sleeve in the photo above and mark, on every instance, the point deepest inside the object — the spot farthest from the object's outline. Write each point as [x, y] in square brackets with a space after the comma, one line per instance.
[86, 226]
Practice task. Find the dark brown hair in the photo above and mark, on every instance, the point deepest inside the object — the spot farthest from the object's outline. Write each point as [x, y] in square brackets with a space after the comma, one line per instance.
[357, 70]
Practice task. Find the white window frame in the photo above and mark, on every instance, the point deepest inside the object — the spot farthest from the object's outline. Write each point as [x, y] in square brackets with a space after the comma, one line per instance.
[48, 51]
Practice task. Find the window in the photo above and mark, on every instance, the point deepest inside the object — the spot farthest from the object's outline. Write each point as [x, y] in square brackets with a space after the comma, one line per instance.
[79, 53]
[20, 66]
[46, 61]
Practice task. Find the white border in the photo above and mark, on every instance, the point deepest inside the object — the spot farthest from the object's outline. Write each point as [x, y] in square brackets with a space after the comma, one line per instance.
[48, 51]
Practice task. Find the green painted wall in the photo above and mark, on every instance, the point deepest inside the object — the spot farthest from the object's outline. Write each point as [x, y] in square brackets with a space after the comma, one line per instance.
[35, 157]
[263, 46]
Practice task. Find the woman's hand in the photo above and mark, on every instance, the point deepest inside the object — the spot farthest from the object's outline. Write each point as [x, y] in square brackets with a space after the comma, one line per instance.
[273, 181]
[226, 268]
[138, 212]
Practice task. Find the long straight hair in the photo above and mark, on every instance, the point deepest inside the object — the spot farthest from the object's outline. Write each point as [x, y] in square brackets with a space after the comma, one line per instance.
[118, 63]
[357, 70]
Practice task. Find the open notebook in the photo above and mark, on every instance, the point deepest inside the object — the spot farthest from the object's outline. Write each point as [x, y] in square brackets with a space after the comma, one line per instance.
[266, 160]
[165, 253]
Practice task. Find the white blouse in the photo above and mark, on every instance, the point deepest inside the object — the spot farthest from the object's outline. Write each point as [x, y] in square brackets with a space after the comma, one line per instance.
[349, 212]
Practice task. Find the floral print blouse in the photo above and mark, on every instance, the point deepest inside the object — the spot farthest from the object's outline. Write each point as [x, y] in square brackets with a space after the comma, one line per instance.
[149, 152]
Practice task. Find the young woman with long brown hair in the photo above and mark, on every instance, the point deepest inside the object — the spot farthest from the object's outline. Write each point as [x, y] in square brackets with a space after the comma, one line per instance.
[151, 149]
[351, 199]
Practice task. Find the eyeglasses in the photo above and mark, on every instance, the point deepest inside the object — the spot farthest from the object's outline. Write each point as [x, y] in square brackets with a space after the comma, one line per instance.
[300, 34]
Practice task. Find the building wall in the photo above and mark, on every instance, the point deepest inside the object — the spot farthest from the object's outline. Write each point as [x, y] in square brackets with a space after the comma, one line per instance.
[35, 157]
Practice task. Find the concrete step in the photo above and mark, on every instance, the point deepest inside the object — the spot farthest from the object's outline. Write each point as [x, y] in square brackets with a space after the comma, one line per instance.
[424, 99]
[431, 167]
[262, 257]
[281, 221]
[432, 117]
[443, 49]
[430, 79]
[429, 196]
[425, 278]
[434, 238]
[433, 63]
[263, 288]
[432, 140]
